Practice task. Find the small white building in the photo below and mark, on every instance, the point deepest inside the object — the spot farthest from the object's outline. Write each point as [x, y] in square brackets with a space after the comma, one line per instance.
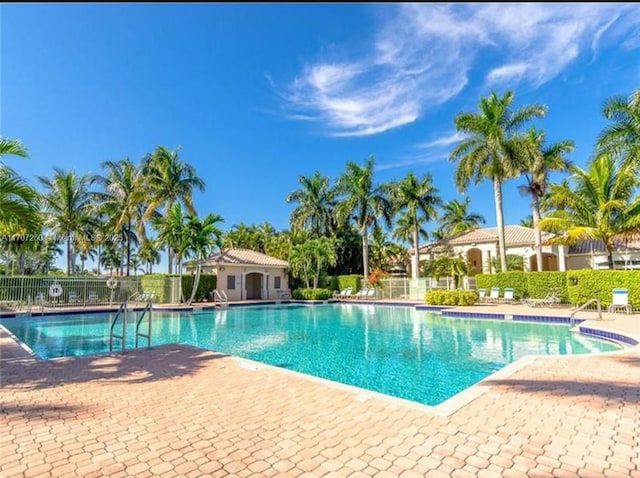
[480, 246]
[247, 275]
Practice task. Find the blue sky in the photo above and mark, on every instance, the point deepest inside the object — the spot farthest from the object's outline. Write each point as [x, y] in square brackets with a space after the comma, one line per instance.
[256, 95]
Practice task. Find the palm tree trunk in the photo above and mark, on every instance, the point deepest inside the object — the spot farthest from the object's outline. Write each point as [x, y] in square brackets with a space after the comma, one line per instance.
[415, 259]
[538, 232]
[99, 256]
[497, 193]
[365, 251]
[69, 258]
[129, 248]
[196, 282]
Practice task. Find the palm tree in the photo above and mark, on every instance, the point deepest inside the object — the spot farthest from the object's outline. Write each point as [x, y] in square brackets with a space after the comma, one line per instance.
[623, 135]
[202, 236]
[123, 199]
[527, 221]
[171, 233]
[601, 204]
[148, 253]
[457, 219]
[484, 154]
[536, 162]
[67, 204]
[168, 180]
[12, 146]
[364, 201]
[19, 204]
[316, 200]
[417, 199]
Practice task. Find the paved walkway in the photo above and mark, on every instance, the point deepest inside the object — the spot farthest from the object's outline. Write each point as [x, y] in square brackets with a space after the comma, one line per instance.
[182, 411]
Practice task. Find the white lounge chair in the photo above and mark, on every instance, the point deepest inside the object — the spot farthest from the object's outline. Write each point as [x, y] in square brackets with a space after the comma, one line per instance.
[343, 293]
[550, 300]
[482, 295]
[92, 297]
[508, 295]
[620, 300]
[494, 294]
[73, 297]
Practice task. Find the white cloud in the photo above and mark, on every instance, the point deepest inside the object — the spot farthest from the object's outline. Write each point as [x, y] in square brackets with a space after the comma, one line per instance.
[411, 161]
[443, 141]
[421, 55]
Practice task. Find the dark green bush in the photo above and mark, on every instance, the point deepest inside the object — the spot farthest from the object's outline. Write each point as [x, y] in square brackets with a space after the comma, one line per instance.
[312, 294]
[352, 280]
[451, 297]
[585, 284]
[540, 284]
[207, 283]
[159, 284]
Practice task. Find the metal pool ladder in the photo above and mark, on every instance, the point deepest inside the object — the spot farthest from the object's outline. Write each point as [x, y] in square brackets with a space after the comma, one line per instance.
[583, 306]
[148, 308]
[122, 314]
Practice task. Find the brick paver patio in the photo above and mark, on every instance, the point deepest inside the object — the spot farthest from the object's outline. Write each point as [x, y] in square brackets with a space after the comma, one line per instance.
[181, 411]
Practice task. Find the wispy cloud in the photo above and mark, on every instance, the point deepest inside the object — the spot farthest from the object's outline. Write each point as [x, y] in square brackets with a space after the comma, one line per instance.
[412, 161]
[421, 55]
[443, 141]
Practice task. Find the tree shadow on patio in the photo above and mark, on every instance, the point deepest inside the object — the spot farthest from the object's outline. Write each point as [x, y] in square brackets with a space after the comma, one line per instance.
[134, 366]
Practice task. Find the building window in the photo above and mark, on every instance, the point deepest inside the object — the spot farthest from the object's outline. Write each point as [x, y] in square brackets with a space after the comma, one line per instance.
[276, 282]
[231, 282]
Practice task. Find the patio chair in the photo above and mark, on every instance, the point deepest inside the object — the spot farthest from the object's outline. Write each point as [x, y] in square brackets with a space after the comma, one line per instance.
[360, 294]
[342, 294]
[507, 297]
[550, 300]
[73, 297]
[620, 300]
[482, 295]
[494, 295]
[369, 293]
[92, 298]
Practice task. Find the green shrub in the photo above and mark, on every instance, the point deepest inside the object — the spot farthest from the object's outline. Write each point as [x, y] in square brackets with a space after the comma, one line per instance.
[328, 282]
[585, 284]
[540, 284]
[451, 297]
[159, 284]
[351, 280]
[516, 279]
[312, 294]
[207, 283]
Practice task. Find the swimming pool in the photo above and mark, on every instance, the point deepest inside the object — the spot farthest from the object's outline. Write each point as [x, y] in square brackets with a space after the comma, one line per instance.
[400, 351]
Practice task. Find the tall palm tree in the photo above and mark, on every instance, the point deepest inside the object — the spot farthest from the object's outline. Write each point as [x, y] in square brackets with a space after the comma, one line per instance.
[364, 201]
[168, 180]
[19, 204]
[623, 135]
[171, 233]
[484, 154]
[202, 236]
[537, 160]
[67, 206]
[456, 218]
[316, 201]
[601, 203]
[149, 254]
[12, 146]
[417, 198]
[123, 199]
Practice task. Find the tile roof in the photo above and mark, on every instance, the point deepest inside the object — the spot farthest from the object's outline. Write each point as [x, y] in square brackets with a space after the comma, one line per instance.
[597, 246]
[245, 257]
[514, 236]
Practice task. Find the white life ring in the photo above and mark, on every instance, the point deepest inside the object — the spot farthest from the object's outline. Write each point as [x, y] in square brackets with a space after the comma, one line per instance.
[55, 290]
[112, 283]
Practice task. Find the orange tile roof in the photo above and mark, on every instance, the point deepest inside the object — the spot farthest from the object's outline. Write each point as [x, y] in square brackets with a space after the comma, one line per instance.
[245, 256]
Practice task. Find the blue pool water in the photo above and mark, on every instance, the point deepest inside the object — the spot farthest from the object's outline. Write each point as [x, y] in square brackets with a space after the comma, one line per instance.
[399, 351]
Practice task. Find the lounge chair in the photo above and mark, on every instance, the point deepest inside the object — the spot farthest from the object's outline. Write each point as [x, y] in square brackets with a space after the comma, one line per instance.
[508, 295]
[342, 294]
[73, 297]
[369, 293]
[482, 295]
[360, 294]
[620, 300]
[494, 295]
[92, 297]
[550, 300]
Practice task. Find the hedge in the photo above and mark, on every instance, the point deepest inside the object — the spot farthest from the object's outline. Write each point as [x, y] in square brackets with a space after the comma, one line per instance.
[207, 283]
[541, 283]
[451, 297]
[312, 294]
[342, 282]
[158, 284]
[516, 279]
[585, 284]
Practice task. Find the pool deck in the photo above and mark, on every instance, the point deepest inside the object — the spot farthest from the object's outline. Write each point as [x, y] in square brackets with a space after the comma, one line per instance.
[181, 411]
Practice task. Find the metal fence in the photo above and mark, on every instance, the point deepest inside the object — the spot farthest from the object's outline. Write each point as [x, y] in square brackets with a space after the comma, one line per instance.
[23, 292]
[415, 289]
